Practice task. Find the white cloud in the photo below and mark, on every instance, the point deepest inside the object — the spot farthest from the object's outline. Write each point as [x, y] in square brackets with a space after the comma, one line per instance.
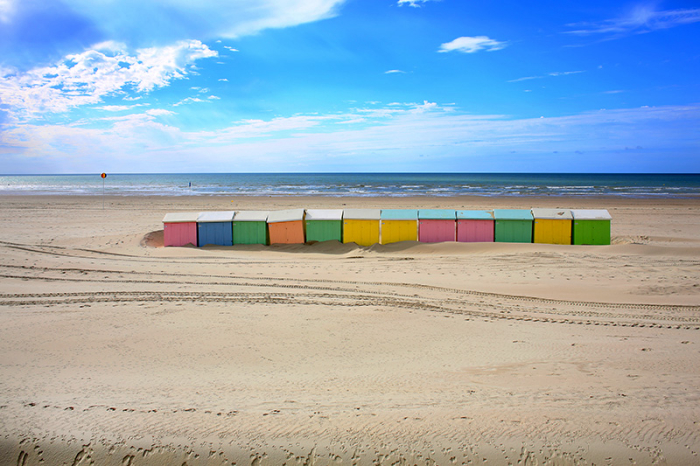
[413, 3]
[564, 73]
[117, 108]
[188, 100]
[641, 18]
[554, 74]
[86, 78]
[230, 48]
[393, 71]
[223, 80]
[213, 97]
[159, 112]
[472, 44]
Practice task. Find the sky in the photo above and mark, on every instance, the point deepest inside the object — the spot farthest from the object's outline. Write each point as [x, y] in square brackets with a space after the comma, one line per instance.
[214, 86]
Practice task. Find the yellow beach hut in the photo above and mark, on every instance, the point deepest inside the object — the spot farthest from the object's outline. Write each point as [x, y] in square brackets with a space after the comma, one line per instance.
[361, 226]
[399, 225]
[552, 226]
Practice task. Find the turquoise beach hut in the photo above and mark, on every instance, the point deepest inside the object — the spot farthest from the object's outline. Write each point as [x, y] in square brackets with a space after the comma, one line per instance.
[513, 225]
[436, 225]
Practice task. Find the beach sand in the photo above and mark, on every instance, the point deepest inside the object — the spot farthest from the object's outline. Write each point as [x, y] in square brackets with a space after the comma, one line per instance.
[117, 351]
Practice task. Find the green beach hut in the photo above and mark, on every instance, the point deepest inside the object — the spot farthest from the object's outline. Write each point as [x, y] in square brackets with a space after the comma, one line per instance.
[250, 227]
[512, 226]
[590, 226]
[324, 225]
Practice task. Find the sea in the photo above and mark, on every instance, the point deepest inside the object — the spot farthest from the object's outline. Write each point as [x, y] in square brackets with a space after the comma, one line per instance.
[358, 184]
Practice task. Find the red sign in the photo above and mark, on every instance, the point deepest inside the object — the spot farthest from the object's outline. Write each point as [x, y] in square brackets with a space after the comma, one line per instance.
[104, 175]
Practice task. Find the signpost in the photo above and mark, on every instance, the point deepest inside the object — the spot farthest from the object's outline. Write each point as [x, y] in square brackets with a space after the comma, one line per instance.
[103, 176]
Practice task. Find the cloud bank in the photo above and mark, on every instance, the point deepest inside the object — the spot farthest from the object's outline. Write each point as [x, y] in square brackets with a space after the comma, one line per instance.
[422, 136]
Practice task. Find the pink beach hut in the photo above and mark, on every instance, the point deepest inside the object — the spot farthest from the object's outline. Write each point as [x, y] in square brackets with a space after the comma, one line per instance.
[436, 225]
[475, 226]
[180, 229]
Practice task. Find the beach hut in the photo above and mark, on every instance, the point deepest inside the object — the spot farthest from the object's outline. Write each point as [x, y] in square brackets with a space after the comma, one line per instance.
[286, 226]
[324, 225]
[436, 225]
[512, 226]
[590, 226]
[180, 229]
[250, 227]
[551, 226]
[475, 226]
[215, 228]
[361, 226]
[399, 225]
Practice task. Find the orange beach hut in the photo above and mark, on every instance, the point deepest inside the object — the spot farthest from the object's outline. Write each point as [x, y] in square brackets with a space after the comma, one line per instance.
[286, 226]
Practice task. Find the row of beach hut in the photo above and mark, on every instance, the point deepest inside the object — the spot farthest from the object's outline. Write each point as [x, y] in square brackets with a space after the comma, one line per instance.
[366, 227]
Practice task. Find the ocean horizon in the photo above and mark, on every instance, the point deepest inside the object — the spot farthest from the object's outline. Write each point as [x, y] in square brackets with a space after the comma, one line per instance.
[358, 184]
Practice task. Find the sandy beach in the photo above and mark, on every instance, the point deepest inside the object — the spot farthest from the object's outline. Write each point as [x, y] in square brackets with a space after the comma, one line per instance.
[117, 351]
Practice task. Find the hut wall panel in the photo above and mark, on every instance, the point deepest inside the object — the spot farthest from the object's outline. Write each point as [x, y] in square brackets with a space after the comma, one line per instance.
[361, 232]
[436, 231]
[552, 231]
[324, 230]
[513, 231]
[180, 234]
[394, 231]
[593, 232]
[475, 231]
[216, 233]
[286, 232]
[250, 232]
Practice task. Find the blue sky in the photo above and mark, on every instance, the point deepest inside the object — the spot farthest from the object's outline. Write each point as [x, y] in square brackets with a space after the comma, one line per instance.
[132, 86]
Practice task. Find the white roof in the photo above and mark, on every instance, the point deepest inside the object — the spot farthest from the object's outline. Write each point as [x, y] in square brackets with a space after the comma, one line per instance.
[215, 216]
[251, 216]
[362, 214]
[290, 215]
[181, 217]
[552, 214]
[324, 214]
[591, 214]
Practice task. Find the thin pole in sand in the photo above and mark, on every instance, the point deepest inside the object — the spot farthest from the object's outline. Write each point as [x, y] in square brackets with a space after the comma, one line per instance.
[104, 175]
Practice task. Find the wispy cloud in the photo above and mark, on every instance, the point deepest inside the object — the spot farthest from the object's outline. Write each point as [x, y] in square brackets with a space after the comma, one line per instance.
[552, 74]
[188, 100]
[472, 44]
[173, 19]
[413, 3]
[372, 138]
[394, 71]
[118, 108]
[642, 18]
[88, 77]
